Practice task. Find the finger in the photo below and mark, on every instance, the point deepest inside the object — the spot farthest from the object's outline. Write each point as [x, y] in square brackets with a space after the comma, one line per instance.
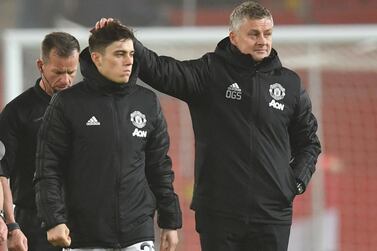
[169, 246]
[60, 243]
[66, 243]
[69, 241]
[25, 245]
[172, 247]
[164, 245]
[103, 22]
[54, 243]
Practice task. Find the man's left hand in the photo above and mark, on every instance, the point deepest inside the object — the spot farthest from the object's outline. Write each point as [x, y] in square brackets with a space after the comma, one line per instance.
[169, 240]
[17, 241]
[3, 231]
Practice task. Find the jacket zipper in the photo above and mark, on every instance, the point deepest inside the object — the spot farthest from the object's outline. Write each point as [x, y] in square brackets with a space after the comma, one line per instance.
[117, 183]
[254, 115]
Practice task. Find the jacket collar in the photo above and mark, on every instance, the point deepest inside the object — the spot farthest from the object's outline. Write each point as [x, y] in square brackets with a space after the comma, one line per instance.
[40, 92]
[101, 83]
[234, 56]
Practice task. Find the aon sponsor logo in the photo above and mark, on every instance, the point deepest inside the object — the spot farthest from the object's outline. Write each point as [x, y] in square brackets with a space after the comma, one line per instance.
[276, 105]
[139, 133]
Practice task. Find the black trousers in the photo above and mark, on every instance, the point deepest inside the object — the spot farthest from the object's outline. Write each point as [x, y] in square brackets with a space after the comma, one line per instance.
[218, 233]
[30, 225]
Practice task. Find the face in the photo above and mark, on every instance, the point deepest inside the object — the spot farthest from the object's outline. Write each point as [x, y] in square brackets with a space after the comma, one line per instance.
[115, 63]
[58, 72]
[254, 38]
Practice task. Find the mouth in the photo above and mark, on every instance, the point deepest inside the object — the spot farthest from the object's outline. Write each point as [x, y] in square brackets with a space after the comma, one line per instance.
[61, 87]
[261, 51]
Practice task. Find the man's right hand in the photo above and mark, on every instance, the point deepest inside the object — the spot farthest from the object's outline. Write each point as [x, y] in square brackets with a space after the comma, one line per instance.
[102, 23]
[59, 236]
[17, 241]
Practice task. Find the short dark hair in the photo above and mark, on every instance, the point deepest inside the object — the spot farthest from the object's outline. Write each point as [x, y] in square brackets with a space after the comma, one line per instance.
[64, 43]
[247, 10]
[103, 37]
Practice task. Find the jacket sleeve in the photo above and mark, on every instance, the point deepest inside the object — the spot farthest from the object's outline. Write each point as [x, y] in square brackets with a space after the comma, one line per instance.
[305, 144]
[52, 148]
[181, 79]
[9, 135]
[161, 176]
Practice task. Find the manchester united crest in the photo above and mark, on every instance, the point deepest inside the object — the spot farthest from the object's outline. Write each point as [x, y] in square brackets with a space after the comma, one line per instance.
[277, 91]
[138, 119]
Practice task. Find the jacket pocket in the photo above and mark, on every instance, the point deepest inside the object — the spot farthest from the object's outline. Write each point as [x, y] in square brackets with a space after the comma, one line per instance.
[288, 185]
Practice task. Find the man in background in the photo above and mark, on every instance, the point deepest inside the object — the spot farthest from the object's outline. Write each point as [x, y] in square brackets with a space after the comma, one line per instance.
[19, 123]
[3, 226]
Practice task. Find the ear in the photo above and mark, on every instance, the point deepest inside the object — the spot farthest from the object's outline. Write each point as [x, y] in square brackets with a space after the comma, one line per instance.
[39, 65]
[233, 38]
[96, 58]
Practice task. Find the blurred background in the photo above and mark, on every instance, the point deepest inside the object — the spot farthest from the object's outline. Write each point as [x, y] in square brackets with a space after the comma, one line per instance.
[331, 44]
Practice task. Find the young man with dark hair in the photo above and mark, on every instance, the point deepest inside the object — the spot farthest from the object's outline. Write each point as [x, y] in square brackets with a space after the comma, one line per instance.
[256, 144]
[110, 155]
[19, 124]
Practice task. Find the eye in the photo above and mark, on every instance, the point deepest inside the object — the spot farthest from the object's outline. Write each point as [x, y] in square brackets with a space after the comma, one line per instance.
[119, 54]
[253, 35]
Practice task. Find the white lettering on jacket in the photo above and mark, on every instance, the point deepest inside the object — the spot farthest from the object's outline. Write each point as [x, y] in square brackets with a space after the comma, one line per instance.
[139, 133]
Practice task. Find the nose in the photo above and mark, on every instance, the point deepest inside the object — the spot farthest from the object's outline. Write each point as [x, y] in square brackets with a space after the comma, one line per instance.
[262, 39]
[66, 79]
[128, 60]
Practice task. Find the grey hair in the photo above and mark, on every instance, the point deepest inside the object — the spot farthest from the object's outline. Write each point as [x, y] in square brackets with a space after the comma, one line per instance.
[247, 10]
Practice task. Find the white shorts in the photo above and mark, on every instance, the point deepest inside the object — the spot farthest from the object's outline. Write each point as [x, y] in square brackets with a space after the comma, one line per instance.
[141, 246]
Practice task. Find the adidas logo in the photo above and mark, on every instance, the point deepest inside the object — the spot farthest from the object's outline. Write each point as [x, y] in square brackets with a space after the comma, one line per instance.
[233, 92]
[234, 87]
[92, 121]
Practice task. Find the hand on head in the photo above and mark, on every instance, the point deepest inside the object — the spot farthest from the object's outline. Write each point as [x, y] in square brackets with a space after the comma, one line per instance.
[102, 23]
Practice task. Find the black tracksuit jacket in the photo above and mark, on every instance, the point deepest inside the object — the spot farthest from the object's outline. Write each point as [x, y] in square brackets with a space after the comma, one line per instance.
[255, 134]
[107, 143]
[19, 124]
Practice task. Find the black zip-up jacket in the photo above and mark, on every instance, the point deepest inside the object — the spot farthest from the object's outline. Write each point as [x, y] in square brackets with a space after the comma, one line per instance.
[255, 134]
[107, 143]
[19, 124]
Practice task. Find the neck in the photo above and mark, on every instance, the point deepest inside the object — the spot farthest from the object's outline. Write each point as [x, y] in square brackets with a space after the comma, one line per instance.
[45, 87]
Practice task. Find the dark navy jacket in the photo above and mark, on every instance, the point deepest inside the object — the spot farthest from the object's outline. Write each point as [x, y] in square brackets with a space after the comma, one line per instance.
[19, 124]
[255, 134]
[106, 144]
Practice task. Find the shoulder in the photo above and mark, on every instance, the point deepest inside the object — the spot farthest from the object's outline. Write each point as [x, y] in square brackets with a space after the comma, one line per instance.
[146, 92]
[25, 99]
[148, 99]
[67, 97]
[291, 73]
[71, 91]
[291, 78]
